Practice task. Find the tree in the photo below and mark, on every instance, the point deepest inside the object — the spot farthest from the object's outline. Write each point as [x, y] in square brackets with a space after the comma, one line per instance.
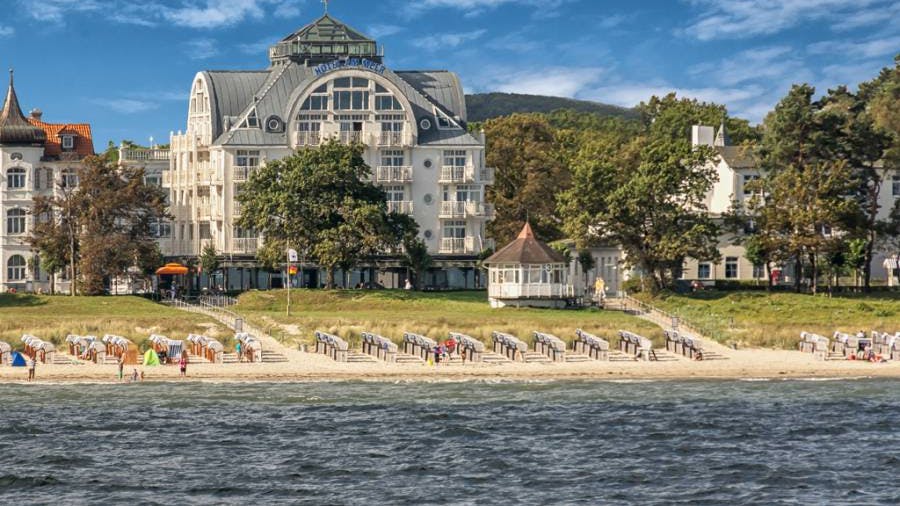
[529, 172]
[318, 200]
[648, 193]
[417, 259]
[209, 262]
[105, 222]
[587, 262]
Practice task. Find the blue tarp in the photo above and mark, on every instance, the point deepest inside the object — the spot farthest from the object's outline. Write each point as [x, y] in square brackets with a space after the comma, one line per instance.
[18, 360]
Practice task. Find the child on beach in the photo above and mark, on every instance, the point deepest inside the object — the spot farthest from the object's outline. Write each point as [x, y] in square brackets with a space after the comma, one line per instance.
[183, 363]
[121, 367]
[31, 365]
[134, 376]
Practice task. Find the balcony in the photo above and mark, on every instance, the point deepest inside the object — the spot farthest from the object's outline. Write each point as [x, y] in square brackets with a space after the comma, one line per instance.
[236, 208]
[458, 246]
[202, 208]
[452, 209]
[245, 245]
[393, 174]
[454, 174]
[479, 210]
[400, 206]
[144, 155]
[530, 291]
[393, 139]
[241, 174]
[309, 138]
[350, 137]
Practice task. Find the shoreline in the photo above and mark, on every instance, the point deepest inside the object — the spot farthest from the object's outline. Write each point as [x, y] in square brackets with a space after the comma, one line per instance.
[305, 367]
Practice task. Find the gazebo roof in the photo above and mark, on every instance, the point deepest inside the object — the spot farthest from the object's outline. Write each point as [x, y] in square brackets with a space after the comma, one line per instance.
[526, 249]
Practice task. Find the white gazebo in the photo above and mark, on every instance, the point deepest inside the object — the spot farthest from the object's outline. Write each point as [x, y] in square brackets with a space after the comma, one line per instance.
[528, 272]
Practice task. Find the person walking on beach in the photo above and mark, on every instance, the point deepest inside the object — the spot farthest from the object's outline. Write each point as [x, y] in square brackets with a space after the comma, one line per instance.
[237, 349]
[183, 363]
[121, 367]
[31, 365]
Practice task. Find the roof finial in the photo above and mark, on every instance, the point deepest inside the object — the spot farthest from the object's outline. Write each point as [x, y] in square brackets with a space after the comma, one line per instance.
[325, 3]
[10, 76]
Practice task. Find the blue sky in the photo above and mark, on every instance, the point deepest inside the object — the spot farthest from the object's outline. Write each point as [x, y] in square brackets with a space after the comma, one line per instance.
[126, 66]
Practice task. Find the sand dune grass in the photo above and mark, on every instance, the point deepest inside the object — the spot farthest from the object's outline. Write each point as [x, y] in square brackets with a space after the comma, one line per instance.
[758, 319]
[390, 313]
[53, 317]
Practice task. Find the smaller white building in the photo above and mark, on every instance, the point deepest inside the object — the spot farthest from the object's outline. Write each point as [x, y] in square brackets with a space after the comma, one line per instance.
[528, 272]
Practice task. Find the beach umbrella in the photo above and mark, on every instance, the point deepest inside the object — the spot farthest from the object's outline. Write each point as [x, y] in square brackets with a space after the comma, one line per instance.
[172, 269]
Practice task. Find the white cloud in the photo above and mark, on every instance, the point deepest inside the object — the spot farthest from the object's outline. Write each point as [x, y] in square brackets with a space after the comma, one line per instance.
[476, 7]
[6, 31]
[201, 49]
[214, 13]
[447, 40]
[738, 19]
[127, 105]
[763, 64]
[260, 47]
[287, 9]
[565, 82]
[378, 31]
[866, 49]
[55, 11]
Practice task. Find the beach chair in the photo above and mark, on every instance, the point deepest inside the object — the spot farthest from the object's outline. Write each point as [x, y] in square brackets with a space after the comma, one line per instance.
[550, 345]
[332, 346]
[509, 346]
[470, 349]
[418, 345]
[591, 345]
[5, 353]
[379, 347]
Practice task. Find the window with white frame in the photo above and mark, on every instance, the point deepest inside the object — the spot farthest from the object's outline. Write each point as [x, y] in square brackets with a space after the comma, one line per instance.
[252, 120]
[704, 271]
[69, 178]
[15, 222]
[68, 142]
[205, 230]
[731, 267]
[247, 158]
[350, 94]
[392, 158]
[394, 193]
[468, 193]
[454, 158]
[895, 185]
[749, 179]
[15, 268]
[454, 229]
[15, 178]
[443, 121]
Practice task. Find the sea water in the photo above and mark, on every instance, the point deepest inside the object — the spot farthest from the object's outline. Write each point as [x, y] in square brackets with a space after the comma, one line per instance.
[640, 442]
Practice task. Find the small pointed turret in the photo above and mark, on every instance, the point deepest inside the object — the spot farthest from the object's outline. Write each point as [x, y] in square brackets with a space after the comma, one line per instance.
[722, 138]
[14, 128]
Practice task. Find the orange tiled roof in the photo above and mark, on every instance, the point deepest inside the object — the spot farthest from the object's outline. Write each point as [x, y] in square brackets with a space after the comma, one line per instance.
[84, 142]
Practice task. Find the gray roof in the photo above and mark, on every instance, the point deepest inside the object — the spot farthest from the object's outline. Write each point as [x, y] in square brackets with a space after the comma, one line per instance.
[230, 92]
[272, 93]
[327, 29]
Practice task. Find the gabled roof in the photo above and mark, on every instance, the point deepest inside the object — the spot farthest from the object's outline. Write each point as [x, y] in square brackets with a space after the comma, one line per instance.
[526, 249]
[84, 142]
[327, 29]
[14, 128]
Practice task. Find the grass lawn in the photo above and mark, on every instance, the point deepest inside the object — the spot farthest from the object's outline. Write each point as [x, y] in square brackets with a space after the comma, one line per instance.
[434, 314]
[51, 318]
[758, 319]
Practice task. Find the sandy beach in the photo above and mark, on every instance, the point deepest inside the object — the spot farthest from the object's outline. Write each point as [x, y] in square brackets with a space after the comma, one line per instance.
[741, 364]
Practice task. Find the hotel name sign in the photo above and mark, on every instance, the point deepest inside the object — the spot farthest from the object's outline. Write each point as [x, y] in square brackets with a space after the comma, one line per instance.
[356, 63]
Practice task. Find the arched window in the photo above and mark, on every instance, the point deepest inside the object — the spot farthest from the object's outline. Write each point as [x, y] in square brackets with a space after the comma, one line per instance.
[15, 222]
[15, 268]
[15, 178]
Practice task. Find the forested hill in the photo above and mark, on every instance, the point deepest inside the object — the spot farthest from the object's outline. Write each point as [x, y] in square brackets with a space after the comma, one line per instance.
[483, 106]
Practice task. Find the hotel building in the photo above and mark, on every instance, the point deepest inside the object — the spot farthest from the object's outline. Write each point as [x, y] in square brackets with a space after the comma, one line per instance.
[328, 81]
[36, 159]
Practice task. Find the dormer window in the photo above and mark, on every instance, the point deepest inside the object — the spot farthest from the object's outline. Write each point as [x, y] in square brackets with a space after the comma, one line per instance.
[443, 121]
[68, 142]
[252, 120]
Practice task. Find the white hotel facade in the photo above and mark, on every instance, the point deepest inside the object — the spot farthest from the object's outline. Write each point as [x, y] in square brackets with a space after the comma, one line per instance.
[328, 81]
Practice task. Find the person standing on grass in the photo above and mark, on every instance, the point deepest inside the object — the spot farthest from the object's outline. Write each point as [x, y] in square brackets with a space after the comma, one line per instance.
[31, 365]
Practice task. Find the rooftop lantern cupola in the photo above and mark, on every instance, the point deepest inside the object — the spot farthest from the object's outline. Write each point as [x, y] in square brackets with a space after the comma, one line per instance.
[324, 40]
[14, 128]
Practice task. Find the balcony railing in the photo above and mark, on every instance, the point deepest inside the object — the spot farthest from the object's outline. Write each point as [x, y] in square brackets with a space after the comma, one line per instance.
[385, 174]
[309, 138]
[458, 246]
[236, 208]
[480, 210]
[400, 206]
[454, 174]
[243, 173]
[487, 175]
[531, 290]
[452, 209]
[350, 137]
[393, 139]
[245, 245]
[145, 155]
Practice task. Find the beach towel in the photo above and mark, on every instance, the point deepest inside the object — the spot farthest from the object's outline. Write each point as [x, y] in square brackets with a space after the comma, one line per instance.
[151, 358]
[18, 360]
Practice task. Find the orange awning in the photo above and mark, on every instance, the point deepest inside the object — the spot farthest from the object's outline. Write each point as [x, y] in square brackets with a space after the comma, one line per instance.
[172, 269]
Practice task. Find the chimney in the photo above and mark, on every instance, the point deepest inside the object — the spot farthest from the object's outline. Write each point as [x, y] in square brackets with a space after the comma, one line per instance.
[36, 114]
[702, 135]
